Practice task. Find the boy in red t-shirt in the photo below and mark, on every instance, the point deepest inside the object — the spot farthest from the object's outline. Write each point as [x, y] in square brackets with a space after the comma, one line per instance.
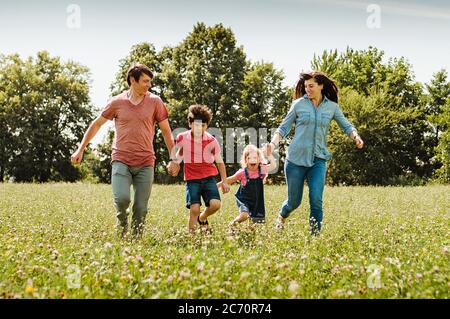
[199, 150]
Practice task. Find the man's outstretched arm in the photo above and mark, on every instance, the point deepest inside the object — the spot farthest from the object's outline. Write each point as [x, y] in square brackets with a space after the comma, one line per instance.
[77, 156]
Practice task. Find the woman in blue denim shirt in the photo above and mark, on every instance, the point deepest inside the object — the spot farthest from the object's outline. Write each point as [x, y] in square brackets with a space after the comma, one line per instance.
[315, 105]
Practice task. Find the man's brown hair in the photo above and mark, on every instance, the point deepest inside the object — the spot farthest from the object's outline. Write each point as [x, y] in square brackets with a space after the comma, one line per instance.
[136, 70]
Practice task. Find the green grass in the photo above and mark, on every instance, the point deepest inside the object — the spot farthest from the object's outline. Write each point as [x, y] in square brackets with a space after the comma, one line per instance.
[45, 230]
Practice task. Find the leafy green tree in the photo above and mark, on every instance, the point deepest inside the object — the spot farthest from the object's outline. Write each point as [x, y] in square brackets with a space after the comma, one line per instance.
[364, 71]
[443, 148]
[264, 99]
[328, 62]
[387, 156]
[360, 70]
[435, 102]
[7, 136]
[44, 111]
[208, 68]
[438, 94]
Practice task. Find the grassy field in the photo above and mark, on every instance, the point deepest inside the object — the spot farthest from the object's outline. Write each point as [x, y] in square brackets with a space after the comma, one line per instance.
[58, 241]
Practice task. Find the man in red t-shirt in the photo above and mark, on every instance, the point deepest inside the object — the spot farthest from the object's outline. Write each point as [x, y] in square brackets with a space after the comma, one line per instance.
[135, 113]
[199, 150]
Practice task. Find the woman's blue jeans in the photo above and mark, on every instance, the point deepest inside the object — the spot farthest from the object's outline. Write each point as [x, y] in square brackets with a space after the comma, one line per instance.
[295, 179]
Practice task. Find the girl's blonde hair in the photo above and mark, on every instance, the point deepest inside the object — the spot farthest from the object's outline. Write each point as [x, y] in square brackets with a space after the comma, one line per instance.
[249, 148]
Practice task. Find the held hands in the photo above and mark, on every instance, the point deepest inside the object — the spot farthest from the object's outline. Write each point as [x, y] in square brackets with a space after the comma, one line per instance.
[224, 186]
[268, 149]
[173, 168]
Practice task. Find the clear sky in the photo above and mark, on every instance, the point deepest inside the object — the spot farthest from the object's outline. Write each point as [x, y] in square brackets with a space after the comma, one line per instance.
[285, 32]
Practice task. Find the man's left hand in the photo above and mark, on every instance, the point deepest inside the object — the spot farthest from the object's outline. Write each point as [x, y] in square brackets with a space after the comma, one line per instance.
[173, 168]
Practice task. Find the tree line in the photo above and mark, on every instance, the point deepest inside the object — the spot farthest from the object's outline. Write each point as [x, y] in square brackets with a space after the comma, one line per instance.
[45, 109]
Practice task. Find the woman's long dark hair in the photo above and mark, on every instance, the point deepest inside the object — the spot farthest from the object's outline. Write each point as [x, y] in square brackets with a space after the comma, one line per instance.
[330, 89]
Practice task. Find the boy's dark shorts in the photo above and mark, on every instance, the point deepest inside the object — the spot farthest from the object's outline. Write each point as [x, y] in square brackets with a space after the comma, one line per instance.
[205, 188]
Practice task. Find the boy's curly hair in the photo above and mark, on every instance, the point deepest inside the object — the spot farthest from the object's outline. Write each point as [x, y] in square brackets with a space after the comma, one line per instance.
[199, 112]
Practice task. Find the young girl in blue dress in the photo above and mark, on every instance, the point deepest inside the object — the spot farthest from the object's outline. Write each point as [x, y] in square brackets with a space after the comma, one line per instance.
[251, 176]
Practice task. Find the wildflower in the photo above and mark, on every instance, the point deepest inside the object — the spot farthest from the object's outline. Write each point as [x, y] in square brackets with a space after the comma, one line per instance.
[184, 274]
[335, 269]
[139, 258]
[293, 286]
[170, 279]
[245, 275]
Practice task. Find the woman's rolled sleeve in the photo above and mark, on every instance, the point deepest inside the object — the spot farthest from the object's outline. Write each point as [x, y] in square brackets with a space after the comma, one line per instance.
[342, 121]
[286, 126]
